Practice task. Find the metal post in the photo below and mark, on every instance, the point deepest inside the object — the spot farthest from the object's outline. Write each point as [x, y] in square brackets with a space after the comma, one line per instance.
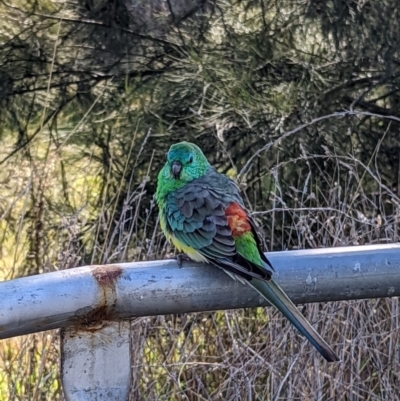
[95, 362]
[90, 303]
[116, 292]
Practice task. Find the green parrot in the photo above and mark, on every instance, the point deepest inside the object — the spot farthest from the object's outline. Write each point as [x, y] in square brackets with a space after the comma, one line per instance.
[202, 214]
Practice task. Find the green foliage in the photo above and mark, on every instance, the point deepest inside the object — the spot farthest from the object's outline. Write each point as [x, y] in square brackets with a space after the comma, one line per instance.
[92, 94]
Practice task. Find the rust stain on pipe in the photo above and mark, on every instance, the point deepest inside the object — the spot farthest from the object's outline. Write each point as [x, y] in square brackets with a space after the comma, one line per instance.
[106, 277]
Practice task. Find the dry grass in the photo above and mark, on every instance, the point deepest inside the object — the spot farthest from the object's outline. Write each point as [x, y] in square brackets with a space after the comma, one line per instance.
[252, 355]
[29, 368]
[255, 354]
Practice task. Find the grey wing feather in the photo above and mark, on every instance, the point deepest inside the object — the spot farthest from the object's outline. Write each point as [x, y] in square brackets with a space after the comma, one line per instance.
[196, 216]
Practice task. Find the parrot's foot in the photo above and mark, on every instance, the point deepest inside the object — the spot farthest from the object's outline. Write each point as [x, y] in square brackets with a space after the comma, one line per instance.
[181, 257]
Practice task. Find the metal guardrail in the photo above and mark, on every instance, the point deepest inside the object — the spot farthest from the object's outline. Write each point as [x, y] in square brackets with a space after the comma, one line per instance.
[92, 303]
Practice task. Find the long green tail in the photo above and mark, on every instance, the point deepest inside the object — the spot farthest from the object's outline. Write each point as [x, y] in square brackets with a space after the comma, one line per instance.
[274, 294]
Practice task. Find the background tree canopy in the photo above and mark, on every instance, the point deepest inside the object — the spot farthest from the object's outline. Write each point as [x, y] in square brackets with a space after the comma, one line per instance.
[93, 93]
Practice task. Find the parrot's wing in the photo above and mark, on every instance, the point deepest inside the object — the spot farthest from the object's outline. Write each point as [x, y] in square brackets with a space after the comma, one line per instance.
[196, 216]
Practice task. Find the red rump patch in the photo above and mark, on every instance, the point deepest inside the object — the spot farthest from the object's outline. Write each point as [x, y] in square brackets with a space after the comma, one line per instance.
[238, 220]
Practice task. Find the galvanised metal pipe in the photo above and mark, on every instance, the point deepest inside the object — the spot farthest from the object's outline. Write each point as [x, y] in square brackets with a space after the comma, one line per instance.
[88, 294]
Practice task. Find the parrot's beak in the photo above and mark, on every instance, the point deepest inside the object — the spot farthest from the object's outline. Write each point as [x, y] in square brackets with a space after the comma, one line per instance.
[176, 168]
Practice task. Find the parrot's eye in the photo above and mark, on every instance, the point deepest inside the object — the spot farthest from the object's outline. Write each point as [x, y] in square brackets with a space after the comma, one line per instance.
[191, 160]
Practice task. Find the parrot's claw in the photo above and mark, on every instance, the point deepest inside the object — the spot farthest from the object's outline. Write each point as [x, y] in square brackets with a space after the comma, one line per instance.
[180, 258]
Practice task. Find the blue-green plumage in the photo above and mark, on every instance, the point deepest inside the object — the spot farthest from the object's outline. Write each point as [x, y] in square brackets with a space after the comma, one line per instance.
[203, 215]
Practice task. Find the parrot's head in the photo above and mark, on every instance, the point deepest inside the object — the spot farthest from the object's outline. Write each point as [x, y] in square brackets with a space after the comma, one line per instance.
[185, 162]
